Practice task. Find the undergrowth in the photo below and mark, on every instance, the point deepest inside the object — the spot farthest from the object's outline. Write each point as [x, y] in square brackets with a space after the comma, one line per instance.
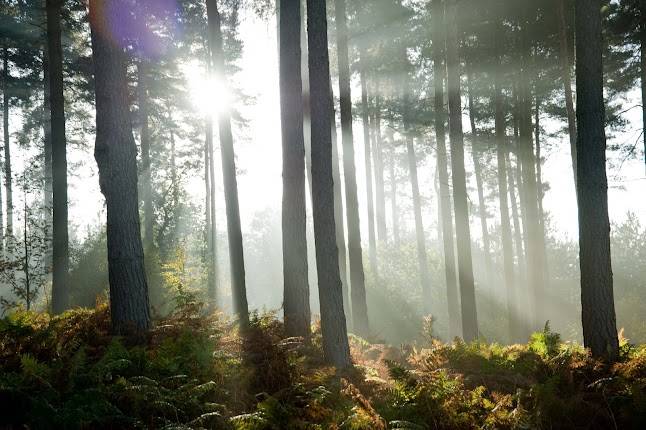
[197, 371]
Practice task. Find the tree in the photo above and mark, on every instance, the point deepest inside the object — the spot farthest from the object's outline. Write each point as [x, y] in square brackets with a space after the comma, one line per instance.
[357, 281]
[597, 300]
[296, 302]
[446, 216]
[234, 230]
[115, 153]
[60, 242]
[6, 81]
[333, 326]
[146, 184]
[460, 198]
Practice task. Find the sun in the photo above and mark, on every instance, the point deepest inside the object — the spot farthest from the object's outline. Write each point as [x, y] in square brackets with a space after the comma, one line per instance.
[209, 95]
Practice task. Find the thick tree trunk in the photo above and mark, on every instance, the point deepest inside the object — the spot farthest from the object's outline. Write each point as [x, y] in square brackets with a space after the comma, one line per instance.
[482, 206]
[564, 58]
[444, 197]
[380, 194]
[357, 281]
[296, 298]
[372, 240]
[6, 76]
[460, 198]
[597, 298]
[116, 156]
[60, 242]
[145, 175]
[234, 229]
[336, 349]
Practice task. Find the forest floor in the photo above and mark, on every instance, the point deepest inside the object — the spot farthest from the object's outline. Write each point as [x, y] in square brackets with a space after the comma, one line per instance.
[197, 372]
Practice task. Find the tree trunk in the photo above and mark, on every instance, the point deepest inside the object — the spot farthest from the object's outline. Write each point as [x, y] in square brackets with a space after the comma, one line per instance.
[336, 349]
[357, 281]
[296, 299]
[530, 189]
[567, 81]
[541, 191]
[47, 165]
[60, 242]
[505, 226]
[394, 210]
[6, 76]
[372, 240]
[460, 199]
[642, 67]
[339, 218]
[442, 167]
[518, 233]
[116, 155]
[380, 198]
[475, 154]
[211, 224]
[234, 229]
[146, 186]
[597, 300]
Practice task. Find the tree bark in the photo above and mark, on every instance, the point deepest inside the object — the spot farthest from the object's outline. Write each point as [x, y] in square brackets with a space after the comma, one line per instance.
[380, 194]
[505, 226]
[47, 164]
[477, 166]
[116, 155]
[392, 165]
[336, 349]
[444, 198]
[296, 299]
[211, 224]
[460, 199]
[357, 281]
[372, 240]
[234, 229]
[60, 239]
[146, 185]
[567, 82]
[541, 191]
[597, 298]
[530, 188]
[339, 218]
[6, 77]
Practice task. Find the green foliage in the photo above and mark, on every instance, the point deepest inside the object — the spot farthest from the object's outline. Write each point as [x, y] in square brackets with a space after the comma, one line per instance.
[199, 371]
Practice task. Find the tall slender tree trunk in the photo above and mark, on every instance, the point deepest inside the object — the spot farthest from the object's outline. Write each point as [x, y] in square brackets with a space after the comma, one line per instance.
[505, 226]
[211, 224]
[444, 197]
[460, 199]
[422, 257]
[530, 188]
[6, 77]
[518, 233]
[339, 218]
[336, 349]
[116, 155]
[642, 67]
[380, 198]
[372, 240]
[47, 164]
[394, 210]
[296, 299]
[475, 154]
[358, 290]
[146, 185]
[597, 298]
[60, 242]
[234, 229]
[564, 58]
[541, 191]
